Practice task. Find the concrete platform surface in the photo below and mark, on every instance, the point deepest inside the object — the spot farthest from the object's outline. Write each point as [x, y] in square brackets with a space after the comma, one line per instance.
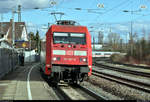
[26, 83]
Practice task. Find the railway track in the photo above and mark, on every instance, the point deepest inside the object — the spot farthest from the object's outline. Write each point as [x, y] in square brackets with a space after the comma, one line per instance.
[128, 82]
[144, 74]
[74, 92]
[77, 92]
[133, 66]
[107, 60]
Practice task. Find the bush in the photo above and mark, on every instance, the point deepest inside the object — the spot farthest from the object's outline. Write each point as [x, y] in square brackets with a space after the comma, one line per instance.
[117, 58]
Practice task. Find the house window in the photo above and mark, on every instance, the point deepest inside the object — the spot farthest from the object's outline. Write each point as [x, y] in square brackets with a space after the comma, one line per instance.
[2, 35]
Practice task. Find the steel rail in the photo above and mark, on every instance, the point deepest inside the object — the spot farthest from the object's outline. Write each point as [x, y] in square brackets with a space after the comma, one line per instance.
[144, 74]
[128, 82]
[128, 65]
[61, 93]
[86, 90]
[134, 66]
[92, 93]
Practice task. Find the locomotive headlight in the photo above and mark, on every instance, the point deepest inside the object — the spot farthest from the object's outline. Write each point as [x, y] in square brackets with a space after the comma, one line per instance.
[48, 65]
[54, 59]
[69, 45]
[90, 66]
[84, 59]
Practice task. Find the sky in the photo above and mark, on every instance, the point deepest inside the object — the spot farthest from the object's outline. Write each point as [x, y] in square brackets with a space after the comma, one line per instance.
[97, 15]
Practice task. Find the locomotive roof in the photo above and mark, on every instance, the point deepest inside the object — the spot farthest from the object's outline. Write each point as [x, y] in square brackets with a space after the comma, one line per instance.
[69, 27]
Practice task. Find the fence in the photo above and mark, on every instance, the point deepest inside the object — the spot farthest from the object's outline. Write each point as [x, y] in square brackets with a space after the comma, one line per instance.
[8, 61]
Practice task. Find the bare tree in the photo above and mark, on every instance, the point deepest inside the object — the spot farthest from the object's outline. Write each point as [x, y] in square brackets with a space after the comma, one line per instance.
[93, 43]
[121, 44]
[135, 37]
[113, 39]
[100, 37]
[144, 32]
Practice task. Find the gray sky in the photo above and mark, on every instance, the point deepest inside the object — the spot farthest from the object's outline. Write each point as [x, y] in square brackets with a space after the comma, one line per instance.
[26, 4]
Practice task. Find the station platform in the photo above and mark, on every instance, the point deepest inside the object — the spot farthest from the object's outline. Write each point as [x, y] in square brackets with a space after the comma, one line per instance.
[25, 83]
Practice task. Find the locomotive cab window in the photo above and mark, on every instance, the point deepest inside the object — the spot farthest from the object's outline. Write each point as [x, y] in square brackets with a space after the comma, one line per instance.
[69, 38]
[60, 38]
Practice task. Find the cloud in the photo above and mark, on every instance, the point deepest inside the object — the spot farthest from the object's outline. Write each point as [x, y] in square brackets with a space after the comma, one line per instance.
[4, 5]
[137, 26]
[122, 27]
[7, 5]
[31, 27]
[142, 25]
[35, 3]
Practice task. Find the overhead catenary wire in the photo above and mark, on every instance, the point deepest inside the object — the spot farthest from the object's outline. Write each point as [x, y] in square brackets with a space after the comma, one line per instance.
[115, 7]
[135, 14]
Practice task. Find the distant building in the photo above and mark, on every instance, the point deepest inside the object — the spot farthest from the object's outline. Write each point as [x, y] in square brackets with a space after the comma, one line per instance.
[26, 45]
[20, 33]
[97, 46]
[103, 53]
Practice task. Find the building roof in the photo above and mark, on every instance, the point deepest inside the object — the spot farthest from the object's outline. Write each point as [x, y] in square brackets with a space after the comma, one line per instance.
[6, 27]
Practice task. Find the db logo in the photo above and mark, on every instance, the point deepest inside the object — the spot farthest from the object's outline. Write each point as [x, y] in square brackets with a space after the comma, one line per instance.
[69, 52]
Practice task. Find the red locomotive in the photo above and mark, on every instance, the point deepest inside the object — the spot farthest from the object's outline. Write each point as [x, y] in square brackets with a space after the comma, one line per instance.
[67, 52]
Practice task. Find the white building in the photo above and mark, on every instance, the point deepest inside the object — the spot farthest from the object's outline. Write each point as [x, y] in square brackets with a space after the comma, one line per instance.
[97, 46]
[20, 31]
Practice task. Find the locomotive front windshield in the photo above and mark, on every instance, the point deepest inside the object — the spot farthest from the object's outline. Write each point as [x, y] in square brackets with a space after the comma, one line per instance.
[69, 38]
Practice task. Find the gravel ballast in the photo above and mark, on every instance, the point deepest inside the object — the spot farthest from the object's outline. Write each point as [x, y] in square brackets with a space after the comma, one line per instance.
[122, 91]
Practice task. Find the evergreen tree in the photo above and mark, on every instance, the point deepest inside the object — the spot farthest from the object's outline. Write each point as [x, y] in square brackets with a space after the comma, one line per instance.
[37, 40]
[31, 36]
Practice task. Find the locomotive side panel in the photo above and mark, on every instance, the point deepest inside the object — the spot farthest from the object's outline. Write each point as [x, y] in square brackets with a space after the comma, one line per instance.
[43, 55]
[89, 53]
[48, 52]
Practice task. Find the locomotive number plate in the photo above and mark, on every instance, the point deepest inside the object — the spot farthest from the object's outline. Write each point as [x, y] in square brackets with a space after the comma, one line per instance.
[69, 59]
[70, 52]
